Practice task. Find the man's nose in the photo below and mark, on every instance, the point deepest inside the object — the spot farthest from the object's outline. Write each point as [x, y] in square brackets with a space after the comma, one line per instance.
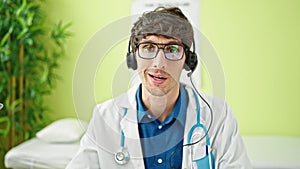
[160, 60]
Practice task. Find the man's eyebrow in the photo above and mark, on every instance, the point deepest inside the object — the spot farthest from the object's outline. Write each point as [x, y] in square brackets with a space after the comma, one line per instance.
[147, 41]
[170, 42]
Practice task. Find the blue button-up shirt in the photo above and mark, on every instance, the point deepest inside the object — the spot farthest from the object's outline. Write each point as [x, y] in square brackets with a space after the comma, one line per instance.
[162, 141]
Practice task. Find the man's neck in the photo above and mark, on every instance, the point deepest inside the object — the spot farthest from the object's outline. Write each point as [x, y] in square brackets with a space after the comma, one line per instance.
[160, 106]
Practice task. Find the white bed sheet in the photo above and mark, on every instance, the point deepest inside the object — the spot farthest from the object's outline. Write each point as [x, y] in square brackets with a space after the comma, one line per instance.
[37, 154]
[265, 152]
[273, 152]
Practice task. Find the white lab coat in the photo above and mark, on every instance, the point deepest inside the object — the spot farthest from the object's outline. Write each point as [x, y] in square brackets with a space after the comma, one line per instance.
[103, 137]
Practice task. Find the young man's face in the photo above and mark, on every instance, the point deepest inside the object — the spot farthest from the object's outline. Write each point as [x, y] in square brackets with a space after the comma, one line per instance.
[160, 75]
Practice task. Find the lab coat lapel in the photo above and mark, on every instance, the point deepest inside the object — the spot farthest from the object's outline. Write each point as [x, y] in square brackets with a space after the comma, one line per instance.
[129, 126]
[191, 119]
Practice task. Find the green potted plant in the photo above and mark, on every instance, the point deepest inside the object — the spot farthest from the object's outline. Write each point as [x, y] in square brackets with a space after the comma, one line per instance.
[30, 53]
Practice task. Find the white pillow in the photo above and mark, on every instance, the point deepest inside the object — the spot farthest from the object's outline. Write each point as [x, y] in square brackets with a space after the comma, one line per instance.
[63, 131]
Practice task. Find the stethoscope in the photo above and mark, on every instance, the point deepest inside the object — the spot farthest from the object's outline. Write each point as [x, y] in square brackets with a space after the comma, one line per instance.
[201, 126]
[122, 157]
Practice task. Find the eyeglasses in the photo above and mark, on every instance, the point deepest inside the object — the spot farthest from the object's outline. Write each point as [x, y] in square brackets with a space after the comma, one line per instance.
[149, 50]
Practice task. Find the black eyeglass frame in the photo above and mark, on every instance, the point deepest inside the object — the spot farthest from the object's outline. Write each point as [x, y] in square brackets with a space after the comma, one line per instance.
[163, 48]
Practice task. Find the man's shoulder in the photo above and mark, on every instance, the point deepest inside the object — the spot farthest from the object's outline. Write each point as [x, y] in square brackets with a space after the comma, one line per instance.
[207, 100]
[209, 97]
[121, 100]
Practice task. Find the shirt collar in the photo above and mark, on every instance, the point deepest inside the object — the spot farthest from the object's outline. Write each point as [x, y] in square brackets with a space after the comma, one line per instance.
[179, 111]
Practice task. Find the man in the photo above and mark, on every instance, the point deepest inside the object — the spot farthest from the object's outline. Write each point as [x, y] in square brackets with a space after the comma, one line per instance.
[162, 123]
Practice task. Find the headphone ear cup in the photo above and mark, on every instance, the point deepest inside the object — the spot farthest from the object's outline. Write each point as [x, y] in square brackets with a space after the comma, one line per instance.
[131, 61]
[191, 61]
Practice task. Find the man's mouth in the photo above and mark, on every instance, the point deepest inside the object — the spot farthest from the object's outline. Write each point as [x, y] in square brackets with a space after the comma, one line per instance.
[158, 79]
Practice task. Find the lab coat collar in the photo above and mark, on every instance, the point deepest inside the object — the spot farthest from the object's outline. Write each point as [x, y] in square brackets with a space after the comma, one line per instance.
[191, 116]
[127, 100]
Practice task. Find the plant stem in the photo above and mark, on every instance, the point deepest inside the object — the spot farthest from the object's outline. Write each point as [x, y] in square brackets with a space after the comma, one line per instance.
[12, 113]
[21, 87]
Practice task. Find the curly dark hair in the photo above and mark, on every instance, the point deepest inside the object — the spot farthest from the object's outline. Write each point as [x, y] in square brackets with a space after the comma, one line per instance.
[169, 22]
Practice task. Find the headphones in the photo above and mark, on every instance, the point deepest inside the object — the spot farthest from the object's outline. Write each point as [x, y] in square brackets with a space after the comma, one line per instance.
[191, 60]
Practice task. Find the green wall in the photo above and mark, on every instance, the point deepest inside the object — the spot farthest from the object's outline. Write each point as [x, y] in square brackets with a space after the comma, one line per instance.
[257, 43]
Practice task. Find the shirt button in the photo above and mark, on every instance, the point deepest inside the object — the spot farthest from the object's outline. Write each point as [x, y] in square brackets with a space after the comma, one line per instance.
[149, 116]
[160, 127]
[159, 161]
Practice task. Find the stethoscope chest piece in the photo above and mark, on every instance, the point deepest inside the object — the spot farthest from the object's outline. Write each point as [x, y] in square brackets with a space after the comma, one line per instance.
[122, 157]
